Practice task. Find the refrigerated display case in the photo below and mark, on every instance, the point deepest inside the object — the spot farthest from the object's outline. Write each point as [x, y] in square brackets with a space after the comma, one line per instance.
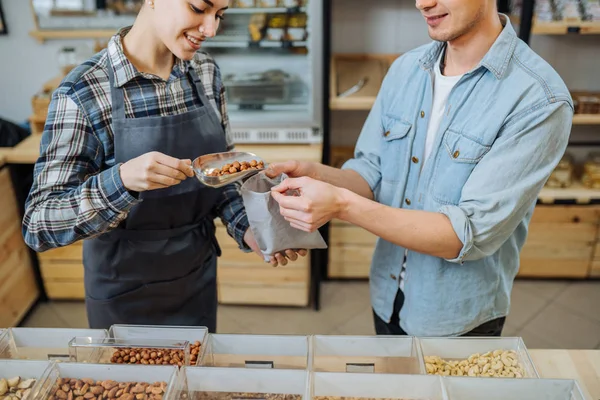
[270, 57]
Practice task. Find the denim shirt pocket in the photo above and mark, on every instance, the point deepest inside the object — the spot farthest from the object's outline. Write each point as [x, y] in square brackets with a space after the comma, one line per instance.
[394, 151]
[456, 160]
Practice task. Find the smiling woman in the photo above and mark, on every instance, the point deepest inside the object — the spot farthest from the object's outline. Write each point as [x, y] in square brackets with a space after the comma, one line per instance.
[115, 169]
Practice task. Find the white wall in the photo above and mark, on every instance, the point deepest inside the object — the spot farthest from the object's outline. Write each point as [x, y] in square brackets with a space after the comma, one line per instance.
[25, 64]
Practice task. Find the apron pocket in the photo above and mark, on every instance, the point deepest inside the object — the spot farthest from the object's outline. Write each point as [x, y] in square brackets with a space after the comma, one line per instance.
[177, 301]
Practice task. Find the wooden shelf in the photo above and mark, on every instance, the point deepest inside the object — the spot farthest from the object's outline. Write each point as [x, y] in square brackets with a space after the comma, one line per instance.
[566, 28]
[43, 35]
[577, 193]
[348, 70]
[561, 27]
[586, 119]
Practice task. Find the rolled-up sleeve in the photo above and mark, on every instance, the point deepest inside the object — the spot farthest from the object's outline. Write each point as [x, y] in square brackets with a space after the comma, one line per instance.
[507, 181]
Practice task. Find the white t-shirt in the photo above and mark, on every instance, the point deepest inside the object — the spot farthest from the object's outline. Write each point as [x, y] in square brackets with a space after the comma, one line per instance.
[442, 85]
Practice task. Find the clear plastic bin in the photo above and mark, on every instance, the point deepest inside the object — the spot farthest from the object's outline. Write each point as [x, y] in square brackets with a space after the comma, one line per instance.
[256, 351]
[343, 386]
[43, 343]
[24, 370]
[243, 383]
[164, 377]
[453, 349]
[196, 335]
[381, 354]
[130, 351]
[513, 389]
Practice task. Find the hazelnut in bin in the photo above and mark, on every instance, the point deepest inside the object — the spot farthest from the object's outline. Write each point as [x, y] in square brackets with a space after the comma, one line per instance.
[157, 356]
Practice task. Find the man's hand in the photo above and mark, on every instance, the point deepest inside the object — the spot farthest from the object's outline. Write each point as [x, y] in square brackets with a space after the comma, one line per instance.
[293, 169]
[279, 258]
[154, 170]
[317, 203]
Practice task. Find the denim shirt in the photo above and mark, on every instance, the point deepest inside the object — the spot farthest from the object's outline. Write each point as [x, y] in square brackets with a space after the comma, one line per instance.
[506, 126]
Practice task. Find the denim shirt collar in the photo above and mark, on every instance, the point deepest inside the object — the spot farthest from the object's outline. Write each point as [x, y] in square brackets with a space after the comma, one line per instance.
[496, 59]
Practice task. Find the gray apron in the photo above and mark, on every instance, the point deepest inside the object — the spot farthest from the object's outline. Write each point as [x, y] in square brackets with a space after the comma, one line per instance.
[159, 266]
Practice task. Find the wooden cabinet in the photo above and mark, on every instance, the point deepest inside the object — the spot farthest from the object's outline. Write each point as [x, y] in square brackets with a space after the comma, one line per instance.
[561, 242]
[18, 289]
[350, 251]
[62, 272]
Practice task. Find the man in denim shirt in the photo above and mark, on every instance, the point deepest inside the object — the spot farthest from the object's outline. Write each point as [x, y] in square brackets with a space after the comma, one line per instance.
[463, 135]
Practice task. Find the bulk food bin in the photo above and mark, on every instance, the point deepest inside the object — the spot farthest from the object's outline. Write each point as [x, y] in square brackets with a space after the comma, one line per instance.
[256, 351]
[196, 335]
[514, 389]
[130, 351]
[94, 381]
[344, 386]
[475, 356]
[381, 354]
[43, 343]
[221, 383]
[21, 377]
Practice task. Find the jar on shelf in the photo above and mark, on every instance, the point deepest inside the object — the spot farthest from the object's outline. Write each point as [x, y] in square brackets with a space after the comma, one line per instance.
[562, 176]
[67, 59]
[591, 171]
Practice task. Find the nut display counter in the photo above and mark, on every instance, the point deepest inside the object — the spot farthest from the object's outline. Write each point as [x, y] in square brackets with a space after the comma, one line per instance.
[563, 374]
[546, 374]
[242, 278]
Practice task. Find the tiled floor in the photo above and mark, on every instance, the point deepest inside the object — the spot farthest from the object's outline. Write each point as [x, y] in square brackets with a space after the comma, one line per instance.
[547, 314]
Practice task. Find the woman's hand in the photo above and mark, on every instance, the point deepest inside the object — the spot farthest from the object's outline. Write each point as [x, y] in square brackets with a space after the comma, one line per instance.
[154, 170]
[279, 258]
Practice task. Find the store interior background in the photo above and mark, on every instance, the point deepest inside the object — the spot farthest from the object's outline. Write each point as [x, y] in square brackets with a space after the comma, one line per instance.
[546, 313]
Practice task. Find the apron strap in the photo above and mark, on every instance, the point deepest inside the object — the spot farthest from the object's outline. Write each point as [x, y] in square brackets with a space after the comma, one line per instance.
[117, 96]
[202, 95]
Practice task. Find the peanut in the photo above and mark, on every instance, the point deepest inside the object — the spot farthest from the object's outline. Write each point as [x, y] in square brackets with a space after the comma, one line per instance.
[499, 363]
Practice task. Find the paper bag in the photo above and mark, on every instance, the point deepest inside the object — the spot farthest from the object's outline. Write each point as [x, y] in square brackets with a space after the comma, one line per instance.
[271, 231]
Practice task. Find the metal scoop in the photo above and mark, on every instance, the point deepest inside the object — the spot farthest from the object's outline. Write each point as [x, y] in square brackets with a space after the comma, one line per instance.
[204, 165]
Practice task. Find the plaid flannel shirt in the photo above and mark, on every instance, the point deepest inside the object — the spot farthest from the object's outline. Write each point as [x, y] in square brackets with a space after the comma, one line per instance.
[77, 191]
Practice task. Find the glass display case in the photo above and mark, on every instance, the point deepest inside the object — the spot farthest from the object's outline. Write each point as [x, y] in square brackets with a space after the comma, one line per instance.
[269, 53]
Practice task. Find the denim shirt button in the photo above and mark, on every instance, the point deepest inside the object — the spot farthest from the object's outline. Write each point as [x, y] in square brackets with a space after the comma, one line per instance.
[386, 134]
[393, 276]
[456, 154]
[407, 201]
[415, 160]
[422, 114]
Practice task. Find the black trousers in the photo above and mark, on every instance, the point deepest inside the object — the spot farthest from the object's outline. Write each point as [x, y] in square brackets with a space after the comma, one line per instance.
[490, 328]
